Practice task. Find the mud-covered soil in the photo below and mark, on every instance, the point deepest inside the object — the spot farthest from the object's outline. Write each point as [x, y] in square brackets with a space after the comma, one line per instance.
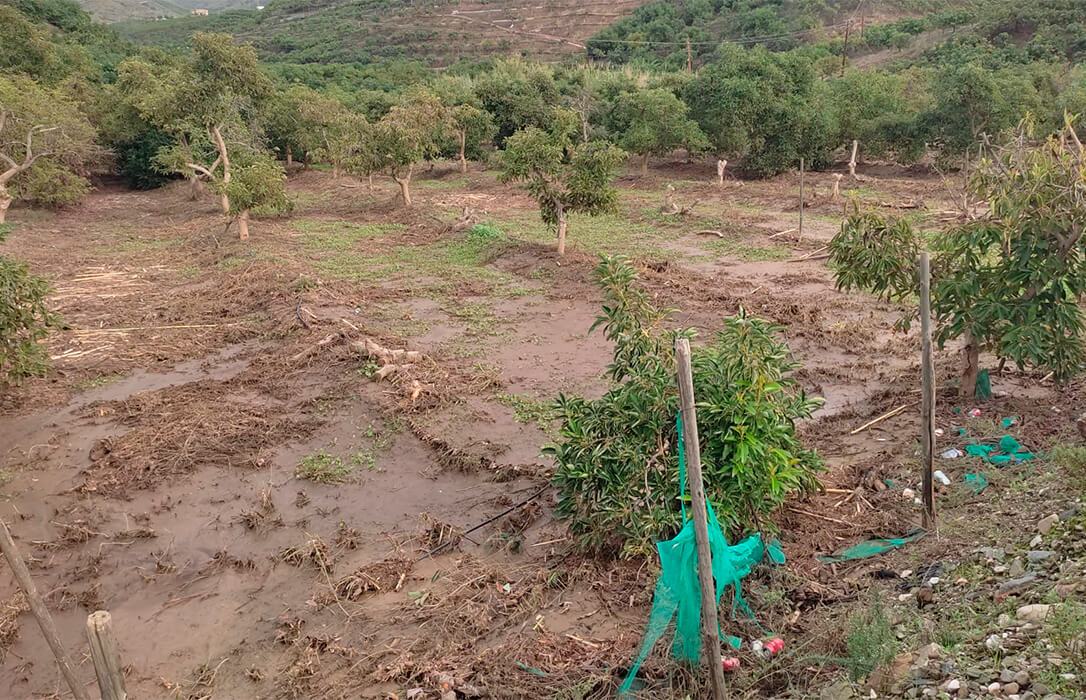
[210, 459]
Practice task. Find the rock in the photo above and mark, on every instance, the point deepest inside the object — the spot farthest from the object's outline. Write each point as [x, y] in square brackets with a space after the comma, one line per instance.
[841, 690]
[1069, 513]
[1004, 620]
[1047, 523]
[1015, 586]
[993, 643]
[1006, 676]
[1010, 688]
[1017, 568]
[1036, 541]
[952, 686]
[991, 553]
[1040, 688]
[999, 569]
[1034, 613]
[885, 677]
[1022, 679]
[994, 688]
[1040, 556]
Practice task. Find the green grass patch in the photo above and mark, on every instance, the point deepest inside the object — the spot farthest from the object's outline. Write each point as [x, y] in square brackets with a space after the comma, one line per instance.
[461, 183]
[529, 410]
[735, 247]
[96, 382]
[869, 640]
[613, 234]
[324, 468]
[338, 235]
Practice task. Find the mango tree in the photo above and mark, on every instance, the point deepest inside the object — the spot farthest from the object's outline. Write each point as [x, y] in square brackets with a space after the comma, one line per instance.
[199, 100]
[1011, 282]
[472, 126]
[653, 123]
[563, 177]
[411, 132]
[44, 142]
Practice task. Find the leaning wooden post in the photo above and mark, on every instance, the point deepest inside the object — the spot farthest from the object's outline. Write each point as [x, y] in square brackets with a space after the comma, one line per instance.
[927, 395]
[852, 160]
[107, 660]
[41, 613]
[710, 624]
[801, 197]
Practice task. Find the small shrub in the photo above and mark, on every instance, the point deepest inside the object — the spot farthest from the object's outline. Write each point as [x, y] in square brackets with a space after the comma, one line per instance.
[24, 319]
[486, 233]
[323, 468]
[616, 456]
[870, 641]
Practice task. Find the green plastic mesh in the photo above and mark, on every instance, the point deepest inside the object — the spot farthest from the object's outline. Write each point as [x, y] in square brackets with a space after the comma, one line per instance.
[870, 548]
[678, 595]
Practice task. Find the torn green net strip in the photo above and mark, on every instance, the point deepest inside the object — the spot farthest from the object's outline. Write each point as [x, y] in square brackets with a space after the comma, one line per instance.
[678, 595]
[870, 548]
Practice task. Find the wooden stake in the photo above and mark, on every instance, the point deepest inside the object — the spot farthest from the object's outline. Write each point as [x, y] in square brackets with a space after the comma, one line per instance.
[689, 57]
[107, 660]
[927, 395]
[844, 51]
[801, 197]
[852, 161]
[41, 613]
[710, 624]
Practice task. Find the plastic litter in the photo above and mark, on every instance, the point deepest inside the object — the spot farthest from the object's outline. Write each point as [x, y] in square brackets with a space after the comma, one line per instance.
[870, 548]
[1008, 422]
[984, 386]
[908, 493]
[953, 453]
[974, 412]
[774, 646]
[943, 478]
[678, 595]
[1012, 452]
[729, 663]
[976, 481]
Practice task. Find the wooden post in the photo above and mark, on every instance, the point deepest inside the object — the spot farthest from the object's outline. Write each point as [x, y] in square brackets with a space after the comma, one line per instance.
[852, 161]
[41, 613]
[710, 624]
[107, 660]
[801, 197]
[844, 50]
[689, 57]
[927, 395]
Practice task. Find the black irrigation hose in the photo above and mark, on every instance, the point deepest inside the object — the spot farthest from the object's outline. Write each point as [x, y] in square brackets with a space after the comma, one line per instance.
[502, 514]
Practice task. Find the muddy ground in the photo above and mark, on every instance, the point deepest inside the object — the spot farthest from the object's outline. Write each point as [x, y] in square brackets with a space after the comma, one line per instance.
[164, 468]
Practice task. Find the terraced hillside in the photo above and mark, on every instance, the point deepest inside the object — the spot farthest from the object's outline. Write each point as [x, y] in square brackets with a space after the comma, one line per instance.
[439, 33]
[120, 10]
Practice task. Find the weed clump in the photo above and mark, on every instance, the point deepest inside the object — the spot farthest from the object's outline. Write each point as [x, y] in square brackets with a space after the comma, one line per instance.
[617, 458]
[323, 468]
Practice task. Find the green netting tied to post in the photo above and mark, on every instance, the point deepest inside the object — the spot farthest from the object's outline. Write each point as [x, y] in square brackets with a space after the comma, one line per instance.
[678, 593]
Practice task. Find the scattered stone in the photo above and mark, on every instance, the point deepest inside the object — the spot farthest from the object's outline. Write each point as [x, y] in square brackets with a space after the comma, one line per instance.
[991, 553]
[1036, 541]
[1033, 613]
[1017, 568]
[1069, 513]
[1040, 688]
[1022, 679]
[1040, 556]
[1004, 620]
[1006, 676]
[1015, 586]
[999, 569]
[1010, 688]
[1068, 676]
[1047, 523]
[952, 686]
[993, 643]
[995, 688]
[1065, 590]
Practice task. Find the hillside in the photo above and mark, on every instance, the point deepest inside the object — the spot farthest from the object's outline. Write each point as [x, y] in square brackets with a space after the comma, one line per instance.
[120, 10]
[438, 33]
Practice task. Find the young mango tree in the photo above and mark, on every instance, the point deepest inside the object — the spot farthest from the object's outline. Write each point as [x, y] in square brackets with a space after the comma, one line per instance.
[409, 133]
[562, 177]
[617, 457]
[654, 122]
[44, 142]
[258, 183]
[1011, 282]
[332, 132]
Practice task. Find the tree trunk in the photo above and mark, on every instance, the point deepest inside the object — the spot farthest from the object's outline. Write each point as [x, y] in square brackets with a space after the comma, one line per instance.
[306, 161]
[335, 171]
[369, 178]
[217, 136]
[563, 223]
[5, 202]
[971, 367]
[290, 156]
[196, 188]
[463, 147]
[852, 161]
[243, 225]
[405, 186]
[644, 165]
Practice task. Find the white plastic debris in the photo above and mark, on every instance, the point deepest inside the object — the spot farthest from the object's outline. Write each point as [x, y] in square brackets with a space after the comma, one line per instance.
[943, 478]
[953, 453]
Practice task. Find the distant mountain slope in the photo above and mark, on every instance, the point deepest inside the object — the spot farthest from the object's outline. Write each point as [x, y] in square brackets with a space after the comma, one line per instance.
[436, 32]
[121, 10]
